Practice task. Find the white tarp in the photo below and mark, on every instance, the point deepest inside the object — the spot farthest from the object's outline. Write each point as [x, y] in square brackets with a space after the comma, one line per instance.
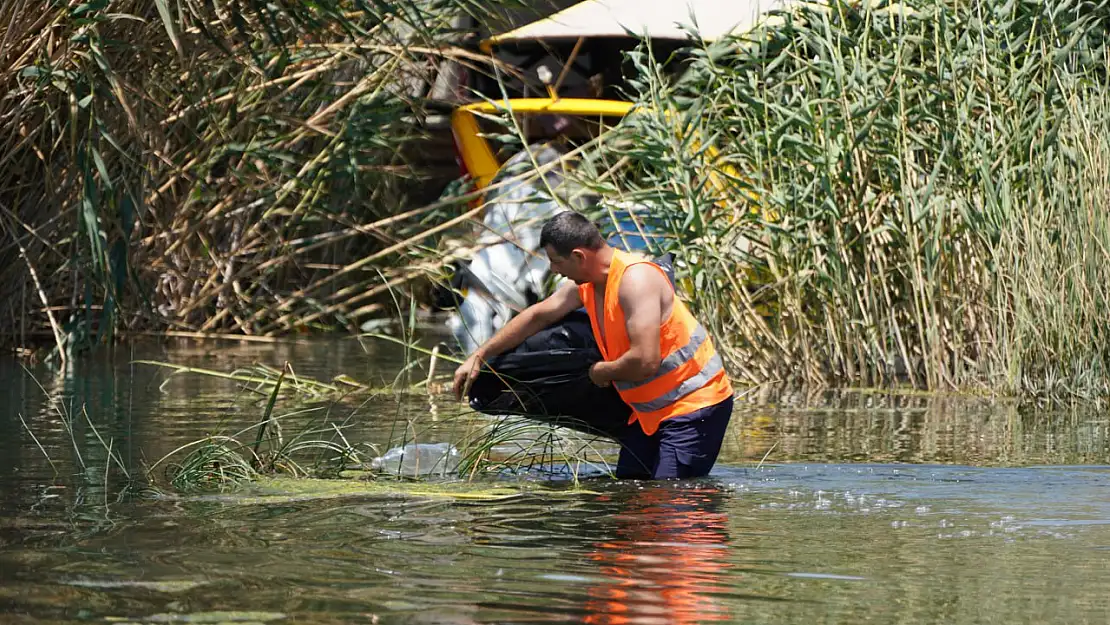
[657, 19]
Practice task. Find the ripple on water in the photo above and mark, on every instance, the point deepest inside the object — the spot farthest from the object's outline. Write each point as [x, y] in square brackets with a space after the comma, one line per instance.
[951, 502]
[796, 543]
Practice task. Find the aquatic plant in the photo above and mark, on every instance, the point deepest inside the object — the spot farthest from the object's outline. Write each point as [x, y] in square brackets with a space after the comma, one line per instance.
[231, 167]
[307, 441]
[921, 196]
[515, 445]
[263, 379]
[316, 447]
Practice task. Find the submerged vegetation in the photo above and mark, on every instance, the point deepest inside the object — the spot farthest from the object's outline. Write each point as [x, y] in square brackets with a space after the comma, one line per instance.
[311, 441]
[390, 435]
[861, 192]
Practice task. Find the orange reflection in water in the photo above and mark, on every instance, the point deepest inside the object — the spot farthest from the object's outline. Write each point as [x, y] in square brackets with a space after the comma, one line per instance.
[665, 562]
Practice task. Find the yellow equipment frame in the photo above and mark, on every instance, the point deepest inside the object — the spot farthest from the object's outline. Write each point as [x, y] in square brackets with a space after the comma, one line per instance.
[475, 151]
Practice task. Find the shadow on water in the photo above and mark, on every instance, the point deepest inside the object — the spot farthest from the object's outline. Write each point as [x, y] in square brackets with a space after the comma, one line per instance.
[839, 507]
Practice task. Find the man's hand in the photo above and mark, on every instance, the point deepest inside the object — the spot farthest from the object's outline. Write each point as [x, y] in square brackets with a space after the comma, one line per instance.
[531, 320]
[598, 376]
[465, 375]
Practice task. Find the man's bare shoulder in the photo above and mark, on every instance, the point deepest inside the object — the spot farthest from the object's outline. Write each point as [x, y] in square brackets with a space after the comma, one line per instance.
[642, 278]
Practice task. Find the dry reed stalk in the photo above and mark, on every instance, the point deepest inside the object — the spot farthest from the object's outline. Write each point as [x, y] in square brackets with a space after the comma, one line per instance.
[257, 144]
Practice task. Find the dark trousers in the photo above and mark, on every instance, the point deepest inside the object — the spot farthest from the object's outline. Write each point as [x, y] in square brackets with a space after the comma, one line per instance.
[684, 446]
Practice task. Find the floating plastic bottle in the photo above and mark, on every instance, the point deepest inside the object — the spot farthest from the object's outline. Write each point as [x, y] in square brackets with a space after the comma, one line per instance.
[418, 459]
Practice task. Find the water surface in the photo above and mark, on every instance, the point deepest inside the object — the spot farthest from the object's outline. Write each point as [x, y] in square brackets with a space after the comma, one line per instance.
[834, 508]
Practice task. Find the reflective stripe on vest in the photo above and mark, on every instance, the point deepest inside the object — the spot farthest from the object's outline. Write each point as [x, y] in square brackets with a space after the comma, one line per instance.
[711, 368]
[677, 358]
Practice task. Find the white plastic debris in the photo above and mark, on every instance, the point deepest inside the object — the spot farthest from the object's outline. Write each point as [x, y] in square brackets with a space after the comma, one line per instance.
[417, 459]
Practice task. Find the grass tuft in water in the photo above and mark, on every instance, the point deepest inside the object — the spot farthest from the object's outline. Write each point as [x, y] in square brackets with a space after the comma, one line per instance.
[216, 462]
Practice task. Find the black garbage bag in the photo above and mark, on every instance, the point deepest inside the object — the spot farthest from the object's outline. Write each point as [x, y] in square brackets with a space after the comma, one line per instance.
[546, 378]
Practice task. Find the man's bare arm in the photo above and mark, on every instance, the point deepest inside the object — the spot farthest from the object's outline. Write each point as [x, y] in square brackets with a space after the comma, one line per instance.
[531, 320]
[641, 297]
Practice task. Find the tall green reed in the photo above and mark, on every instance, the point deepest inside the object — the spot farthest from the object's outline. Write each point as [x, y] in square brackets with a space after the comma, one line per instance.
[929, 183]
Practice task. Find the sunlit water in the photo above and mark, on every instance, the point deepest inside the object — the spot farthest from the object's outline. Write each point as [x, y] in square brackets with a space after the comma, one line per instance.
[835, 508]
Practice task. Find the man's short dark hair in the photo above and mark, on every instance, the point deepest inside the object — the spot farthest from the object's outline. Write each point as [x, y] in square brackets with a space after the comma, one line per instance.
[569, 231]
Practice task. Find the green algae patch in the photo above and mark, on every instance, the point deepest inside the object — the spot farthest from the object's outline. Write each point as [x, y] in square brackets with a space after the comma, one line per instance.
[240, 618]
[167, 586]
[285, 489]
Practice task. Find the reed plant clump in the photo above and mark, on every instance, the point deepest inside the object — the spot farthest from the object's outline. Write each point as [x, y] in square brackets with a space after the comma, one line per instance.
[878, 193]
[240, 167]
[220, 461]
[422, 440]
[462, 446]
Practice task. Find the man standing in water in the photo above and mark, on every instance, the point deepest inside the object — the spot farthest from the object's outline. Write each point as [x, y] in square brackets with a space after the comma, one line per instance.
[659, 358]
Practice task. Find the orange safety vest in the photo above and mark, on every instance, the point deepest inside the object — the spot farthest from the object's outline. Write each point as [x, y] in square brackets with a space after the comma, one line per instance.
[690, 376]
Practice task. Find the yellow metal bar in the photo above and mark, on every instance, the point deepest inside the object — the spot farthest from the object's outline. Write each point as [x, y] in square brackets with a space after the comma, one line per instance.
[482, 164]
[561, 106]
[477, 157]
[475, 151]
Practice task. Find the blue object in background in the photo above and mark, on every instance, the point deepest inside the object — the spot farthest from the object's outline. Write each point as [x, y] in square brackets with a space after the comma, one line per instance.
[632, 234]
